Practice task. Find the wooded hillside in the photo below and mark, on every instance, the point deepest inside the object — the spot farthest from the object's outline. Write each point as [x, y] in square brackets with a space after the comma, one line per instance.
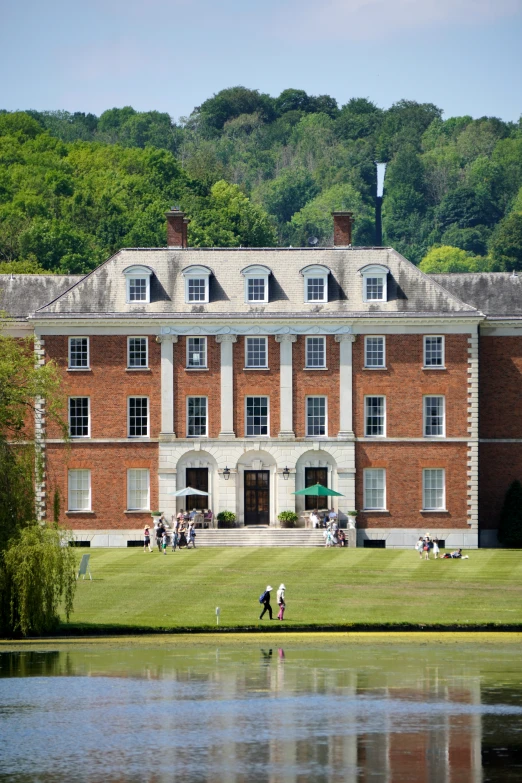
[253, 170]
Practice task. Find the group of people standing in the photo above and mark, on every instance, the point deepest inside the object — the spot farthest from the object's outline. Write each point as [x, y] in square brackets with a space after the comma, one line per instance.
[264, 599]
[425, 545]
[182, 534]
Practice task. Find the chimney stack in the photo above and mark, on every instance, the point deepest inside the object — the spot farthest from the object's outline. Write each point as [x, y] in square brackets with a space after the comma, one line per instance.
[342, 228]
[186, 222]
[176, 228]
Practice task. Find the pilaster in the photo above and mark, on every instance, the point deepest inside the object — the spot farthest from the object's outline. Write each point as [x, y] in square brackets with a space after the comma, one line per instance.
[227, 384]
[167, 383]
[345, 386]
[286, 385]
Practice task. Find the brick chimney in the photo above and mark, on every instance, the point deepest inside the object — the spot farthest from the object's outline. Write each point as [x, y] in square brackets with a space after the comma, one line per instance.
[176, 228]
[342, 228]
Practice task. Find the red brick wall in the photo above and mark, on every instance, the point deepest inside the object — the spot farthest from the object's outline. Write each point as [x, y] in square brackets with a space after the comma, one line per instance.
[109, 384]
[404, 463]
[500, 367]
[256, 382]
[404, 383]
[315, 382]
[198, 383]
[108, 463]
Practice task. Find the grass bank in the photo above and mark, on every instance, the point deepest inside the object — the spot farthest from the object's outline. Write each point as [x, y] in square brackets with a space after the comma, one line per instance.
[327, 590]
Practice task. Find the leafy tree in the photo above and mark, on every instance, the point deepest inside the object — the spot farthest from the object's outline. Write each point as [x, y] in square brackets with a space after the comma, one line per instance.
[467, 208]
[510, 526]
[358, 119]
[230, 103]
[404, 123]
[39, 576]
[35, 571]
[230, 220]
[444, 259]
[506, 244]
[315, 218]
[292, 100]
[288, 193]
[472, 240]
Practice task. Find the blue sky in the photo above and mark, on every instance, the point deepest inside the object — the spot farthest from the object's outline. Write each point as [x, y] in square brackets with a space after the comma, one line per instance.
[463, 55]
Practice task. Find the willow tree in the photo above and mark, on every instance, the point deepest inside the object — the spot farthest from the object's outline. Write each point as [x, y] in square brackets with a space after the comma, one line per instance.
[36, 571]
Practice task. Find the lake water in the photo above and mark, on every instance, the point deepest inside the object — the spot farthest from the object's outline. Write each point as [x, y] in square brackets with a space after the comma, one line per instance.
[275, 709]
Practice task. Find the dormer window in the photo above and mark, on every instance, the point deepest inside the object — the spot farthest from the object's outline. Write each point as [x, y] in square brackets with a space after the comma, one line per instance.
[197, 284]
[375, 285]
[137, 284]
[256, 283]
[315, 283]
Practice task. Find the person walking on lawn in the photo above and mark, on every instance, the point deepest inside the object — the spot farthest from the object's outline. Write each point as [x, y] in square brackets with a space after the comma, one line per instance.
[281, 602]
[265, 600]
[146, 539]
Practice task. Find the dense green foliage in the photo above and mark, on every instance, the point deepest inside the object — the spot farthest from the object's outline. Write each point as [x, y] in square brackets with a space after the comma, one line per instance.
[510, 527]
[36, 572]
[251, 170]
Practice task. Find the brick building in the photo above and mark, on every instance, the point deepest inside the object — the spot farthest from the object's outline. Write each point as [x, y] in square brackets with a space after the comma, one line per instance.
[250, 373]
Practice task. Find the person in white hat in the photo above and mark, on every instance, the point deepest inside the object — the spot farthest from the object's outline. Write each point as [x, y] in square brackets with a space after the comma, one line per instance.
[265, 600]
[281, 601]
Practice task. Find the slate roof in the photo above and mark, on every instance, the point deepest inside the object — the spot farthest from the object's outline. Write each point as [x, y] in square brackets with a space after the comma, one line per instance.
[21, 295]
[102, 293]
[497, 294]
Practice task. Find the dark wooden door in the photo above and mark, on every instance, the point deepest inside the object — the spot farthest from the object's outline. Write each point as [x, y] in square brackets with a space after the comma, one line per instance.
[257, 497]
[197, 478]
[316, 476]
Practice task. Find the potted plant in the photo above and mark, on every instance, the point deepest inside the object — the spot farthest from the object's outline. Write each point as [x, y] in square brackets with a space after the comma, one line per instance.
[287, 518]
[156, 514]
[351, 521]
[226, 519]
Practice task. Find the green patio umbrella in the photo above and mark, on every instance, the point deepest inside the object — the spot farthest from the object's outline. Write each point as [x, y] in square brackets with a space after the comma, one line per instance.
[318, 489]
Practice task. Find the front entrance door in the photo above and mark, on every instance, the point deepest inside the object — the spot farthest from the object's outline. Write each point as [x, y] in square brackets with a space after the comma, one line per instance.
[257, 497]
[316, 476]
[197, 478]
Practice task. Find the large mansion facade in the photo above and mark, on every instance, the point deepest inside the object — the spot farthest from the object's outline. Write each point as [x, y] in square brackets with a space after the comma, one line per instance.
[252, 373]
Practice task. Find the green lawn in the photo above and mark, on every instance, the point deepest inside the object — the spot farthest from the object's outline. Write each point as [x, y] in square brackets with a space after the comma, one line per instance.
[323, 586]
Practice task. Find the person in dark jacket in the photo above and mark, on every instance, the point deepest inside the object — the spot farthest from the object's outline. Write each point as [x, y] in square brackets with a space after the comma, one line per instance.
[266, 603]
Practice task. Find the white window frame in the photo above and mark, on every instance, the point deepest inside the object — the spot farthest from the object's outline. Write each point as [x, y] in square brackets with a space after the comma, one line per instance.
[88, 365]
[374, 366]
[425, 417]
[137, 397]
[130, 506]
[141, 366]
[425, 507]
[70, 490]
[317, 397]
[256, 272]
[315, 272]
[315, 366]
[197, 397]
[384, 418]
[190, 366]
[137, 273]
[440, 366]
[366, 474]
[79, 397]
[197, 273]
[267, 398]
[256, 366]
[373, 271]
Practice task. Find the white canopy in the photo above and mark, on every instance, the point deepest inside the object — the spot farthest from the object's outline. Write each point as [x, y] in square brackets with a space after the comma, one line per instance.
[182, 493]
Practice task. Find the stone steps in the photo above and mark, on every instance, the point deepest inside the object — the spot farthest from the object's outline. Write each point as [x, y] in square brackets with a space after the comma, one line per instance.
[259, 537]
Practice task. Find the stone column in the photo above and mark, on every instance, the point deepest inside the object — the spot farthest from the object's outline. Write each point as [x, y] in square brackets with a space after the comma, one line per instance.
[227, 384]
[286, 385]
[167, 383]
[345, 390]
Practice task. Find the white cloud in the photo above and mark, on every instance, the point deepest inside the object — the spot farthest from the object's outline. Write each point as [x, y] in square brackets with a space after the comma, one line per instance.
[369, 19]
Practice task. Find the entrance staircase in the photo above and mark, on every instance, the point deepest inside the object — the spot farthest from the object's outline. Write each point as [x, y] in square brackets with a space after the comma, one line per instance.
[259, 536]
